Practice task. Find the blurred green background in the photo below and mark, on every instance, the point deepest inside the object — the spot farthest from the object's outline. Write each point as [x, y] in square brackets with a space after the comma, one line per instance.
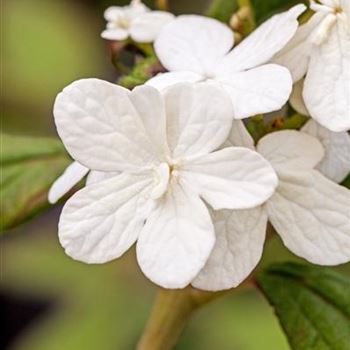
[49, 301]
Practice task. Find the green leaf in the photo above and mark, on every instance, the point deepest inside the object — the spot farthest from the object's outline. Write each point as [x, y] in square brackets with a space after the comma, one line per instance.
[266, 8]
[28, 168]
[312, 304]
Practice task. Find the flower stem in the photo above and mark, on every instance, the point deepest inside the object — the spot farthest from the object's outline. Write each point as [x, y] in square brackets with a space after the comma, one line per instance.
[170, 313]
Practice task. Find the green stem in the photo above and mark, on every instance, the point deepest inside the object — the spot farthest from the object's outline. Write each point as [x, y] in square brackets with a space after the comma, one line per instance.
[171, 312]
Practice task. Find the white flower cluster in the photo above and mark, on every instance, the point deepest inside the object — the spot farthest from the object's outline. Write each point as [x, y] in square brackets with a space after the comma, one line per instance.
[173, 168]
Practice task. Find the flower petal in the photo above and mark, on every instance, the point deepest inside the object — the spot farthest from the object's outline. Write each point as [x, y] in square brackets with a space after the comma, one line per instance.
[327, 91]
[98, 176]
[145, 28]
[336, 163]
[150, 107]
[291, 149]
[240, 236]
[199, 118]
[101, 221]
[101, 128]
[164, 80]
[239, 136]
[193, 43]
[296, 54]
[176, 240]
[71, 176]
[259, 90]
[117, 34]
[296, 99]
[259, 47]
[311, 214]
[232, 178]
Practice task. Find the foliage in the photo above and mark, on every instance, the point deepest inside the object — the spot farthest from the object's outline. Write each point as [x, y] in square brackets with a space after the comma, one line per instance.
[28, 168]
[312, 304]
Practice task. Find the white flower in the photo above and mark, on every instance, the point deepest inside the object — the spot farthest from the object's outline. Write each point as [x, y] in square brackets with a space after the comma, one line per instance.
[336, 162]
[321, 51]
[309, 212]
[164, 146]
[73, 174]
[195, 48]
[136, 21]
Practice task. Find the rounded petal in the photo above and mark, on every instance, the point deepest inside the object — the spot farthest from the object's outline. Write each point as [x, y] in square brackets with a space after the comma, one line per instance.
[145, 28]
[296, 54]
[260, 90]
[71, 176]
[150, 107]
[327, 84]
[232, 178]
[336, 163]
[240, 236]
[193, 43]
[311, 214]
[101, 128]
[98, 176]
[176, 240]
[260, 46]
[164, 80]
[291, 150]
[101, 221]
[112, 13]
[199, 118]
[117, 34]
[239, 136]
[296, 98]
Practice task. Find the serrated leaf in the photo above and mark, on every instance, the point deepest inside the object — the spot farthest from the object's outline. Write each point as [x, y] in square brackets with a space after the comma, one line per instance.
[28, 168]
[312, 304]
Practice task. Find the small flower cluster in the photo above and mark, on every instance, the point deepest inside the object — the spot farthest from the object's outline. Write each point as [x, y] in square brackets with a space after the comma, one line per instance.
[172, 166]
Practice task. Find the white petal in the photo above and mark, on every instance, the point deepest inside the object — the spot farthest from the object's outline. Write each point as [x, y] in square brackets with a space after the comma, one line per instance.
[296, 98]
[296, 55]
[345, 4]
[199, 118]
[145, 28]
[164, 80]
[101, 128]
[71, 176]
[239, 136]
[291, 150]
[101, 221]
[150, 107]
[259, 90]
[311, 214]
[193, 43]
[176, 239]
[98, 176]
[232, 178]
[115, 34]
[112, 13]
[336, 163]
[240, 236]
[327, 84]
[259, 47]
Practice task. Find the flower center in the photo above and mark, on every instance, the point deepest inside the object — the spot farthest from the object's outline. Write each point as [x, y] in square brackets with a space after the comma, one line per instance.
[163, 174]
[123, 22]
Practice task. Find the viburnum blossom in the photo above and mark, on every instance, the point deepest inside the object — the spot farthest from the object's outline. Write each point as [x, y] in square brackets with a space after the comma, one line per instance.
[336, 162]
[136, 21]
[195, 48]
[165, 147]
[320, 50]
[309, 212]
